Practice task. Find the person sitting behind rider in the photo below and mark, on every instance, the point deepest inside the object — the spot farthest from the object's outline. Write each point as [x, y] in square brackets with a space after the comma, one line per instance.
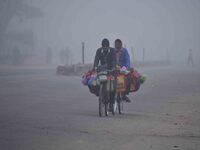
[123, 60]
[105, 56]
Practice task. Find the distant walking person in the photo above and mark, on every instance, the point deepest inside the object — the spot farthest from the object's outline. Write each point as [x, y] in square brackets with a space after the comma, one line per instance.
[190, 58]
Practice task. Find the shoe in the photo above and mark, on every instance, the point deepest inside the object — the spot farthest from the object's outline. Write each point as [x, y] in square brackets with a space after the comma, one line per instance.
[126, 99]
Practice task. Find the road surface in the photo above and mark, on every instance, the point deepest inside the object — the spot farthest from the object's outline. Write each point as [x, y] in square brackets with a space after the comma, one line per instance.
[42, 111]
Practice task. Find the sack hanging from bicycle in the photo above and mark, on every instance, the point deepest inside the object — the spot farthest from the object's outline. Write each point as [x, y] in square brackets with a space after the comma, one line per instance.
[121, 83]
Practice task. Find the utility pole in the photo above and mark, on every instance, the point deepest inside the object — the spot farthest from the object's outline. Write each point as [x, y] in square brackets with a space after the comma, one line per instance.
[143, 54]
[167, 56]
[83, 53]
[71, 59]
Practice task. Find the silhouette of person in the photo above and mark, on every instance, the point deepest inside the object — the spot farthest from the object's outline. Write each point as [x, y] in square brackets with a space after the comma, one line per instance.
[190, 58]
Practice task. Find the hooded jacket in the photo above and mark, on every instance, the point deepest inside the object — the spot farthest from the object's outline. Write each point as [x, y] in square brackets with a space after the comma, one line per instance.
[123, 58]
[105, 56]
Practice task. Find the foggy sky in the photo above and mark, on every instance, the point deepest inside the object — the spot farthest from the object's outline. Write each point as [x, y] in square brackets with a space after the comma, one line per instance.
[151, 24]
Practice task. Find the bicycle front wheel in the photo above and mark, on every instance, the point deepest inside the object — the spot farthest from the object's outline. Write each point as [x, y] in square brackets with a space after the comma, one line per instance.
[101, 100]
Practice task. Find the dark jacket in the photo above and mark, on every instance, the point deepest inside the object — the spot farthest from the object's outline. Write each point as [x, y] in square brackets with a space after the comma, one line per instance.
[105, 56]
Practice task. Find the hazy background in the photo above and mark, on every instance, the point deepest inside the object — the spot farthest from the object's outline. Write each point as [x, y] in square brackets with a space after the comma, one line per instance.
[156, 25]
[43, 104]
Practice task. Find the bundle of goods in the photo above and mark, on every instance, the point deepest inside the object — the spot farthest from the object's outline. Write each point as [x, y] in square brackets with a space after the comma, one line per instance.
[90, 79]
[87, 76]
[132, 77]
[136, 80]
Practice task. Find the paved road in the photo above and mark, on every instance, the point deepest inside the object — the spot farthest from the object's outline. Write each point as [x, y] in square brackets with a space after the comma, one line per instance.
[42, 111]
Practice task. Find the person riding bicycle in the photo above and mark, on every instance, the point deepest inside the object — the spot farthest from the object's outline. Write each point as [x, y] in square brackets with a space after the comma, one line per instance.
[105, 56]
[123, 60]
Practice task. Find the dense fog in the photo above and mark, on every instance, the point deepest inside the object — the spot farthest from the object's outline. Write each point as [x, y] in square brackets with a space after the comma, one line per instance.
[52, 97]
[38, 28]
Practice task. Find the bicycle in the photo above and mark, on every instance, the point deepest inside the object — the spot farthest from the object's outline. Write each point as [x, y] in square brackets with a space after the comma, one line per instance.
[106, 90]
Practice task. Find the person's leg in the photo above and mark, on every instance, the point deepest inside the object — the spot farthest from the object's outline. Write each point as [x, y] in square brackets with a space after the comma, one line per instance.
[125, 98]
[128, 85]
[112, 97]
